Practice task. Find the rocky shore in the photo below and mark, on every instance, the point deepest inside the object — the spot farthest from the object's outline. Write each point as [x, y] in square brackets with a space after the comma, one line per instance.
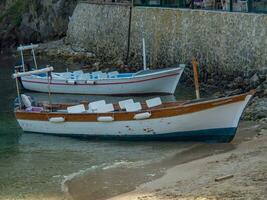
[59, 50]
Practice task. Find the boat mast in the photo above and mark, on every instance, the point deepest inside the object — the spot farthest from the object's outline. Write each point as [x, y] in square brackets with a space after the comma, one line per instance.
[34, 59]
[49, 77]
[17, 86]
[22, 58]
[144, 53]
[194, 63]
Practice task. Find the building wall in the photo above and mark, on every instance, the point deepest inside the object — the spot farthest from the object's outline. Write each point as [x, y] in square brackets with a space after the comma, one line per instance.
[220, 40]
[102, 29]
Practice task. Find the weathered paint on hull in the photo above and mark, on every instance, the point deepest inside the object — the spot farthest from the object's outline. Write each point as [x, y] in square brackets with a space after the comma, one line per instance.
[163, 82]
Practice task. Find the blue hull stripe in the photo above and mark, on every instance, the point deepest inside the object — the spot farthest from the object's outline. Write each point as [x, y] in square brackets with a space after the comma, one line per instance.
[208, 135]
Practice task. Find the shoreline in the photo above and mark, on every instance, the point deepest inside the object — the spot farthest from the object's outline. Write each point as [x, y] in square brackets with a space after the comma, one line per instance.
[196, 179]
[82, 187]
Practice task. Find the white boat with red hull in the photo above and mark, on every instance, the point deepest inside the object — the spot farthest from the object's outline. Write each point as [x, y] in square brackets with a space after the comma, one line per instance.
[102, 83]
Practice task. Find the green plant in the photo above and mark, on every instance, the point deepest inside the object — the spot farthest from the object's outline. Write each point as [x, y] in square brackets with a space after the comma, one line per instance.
[15, 12]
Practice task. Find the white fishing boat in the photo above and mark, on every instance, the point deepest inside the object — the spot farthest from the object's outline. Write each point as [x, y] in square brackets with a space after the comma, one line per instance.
[142, 82]
[213, 120]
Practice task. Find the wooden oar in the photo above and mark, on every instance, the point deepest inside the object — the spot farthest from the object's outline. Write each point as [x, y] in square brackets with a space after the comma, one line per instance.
[194, 63]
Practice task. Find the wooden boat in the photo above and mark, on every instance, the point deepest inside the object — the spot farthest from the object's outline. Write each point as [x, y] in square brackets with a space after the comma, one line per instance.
[212, 120]
[142, 82]
[111, 83]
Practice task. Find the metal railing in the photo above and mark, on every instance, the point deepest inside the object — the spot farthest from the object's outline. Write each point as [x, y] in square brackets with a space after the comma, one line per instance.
[257, 6]
[222, 5]
[110, 2]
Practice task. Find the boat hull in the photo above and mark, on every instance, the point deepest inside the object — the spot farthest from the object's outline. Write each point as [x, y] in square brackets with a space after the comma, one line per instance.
[164, 81]
[221, 135]
[216, 124]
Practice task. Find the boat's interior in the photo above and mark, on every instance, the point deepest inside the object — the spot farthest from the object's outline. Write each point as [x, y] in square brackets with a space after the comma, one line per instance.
[128, 105]
[97, 106]
[80, 75]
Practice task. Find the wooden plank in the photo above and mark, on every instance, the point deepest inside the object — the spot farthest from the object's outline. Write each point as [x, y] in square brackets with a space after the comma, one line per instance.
[224, 177]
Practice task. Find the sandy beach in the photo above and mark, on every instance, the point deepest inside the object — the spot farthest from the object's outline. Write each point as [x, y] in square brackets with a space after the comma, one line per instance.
[247, 163]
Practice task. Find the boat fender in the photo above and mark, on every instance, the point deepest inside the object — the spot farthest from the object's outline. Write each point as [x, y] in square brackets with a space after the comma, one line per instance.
[72, 82]
[105, 119]
[26, 101]
[141, 116]
[56, 119]
[90, 82]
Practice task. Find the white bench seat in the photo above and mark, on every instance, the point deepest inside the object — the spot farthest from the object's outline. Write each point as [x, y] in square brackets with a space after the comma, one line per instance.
[93, 106]
[124, 102]
[153, 102]
[105, 108]
[133, 107]
[76, 109]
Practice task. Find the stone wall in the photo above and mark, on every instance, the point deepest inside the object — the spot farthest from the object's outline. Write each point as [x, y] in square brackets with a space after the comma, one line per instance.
[102, 29]
[220, 40]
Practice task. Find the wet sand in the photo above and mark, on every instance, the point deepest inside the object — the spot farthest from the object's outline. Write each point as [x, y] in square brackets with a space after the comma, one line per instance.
[189, 174]
[196, 179]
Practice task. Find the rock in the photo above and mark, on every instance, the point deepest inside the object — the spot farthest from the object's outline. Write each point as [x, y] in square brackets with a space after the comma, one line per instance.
[263, 71]
[89, 55]
[254, 80]
[87, 67]
[257, 109]
[33, 21]
[260, 114]
[246, 81]
[230, 85]
[97, 64]
[263, 123]
[262, 77]
[70, 60]
[250, 72]
[233, 92]
[260, 89]
[217, 94]
[238, 80]
[119, 63]
[210, 81]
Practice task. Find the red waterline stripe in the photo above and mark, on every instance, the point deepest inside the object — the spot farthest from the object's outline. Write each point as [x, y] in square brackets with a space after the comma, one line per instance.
[129, 82]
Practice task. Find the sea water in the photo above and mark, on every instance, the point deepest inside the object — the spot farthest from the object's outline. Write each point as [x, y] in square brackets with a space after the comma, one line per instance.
[34, 166]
